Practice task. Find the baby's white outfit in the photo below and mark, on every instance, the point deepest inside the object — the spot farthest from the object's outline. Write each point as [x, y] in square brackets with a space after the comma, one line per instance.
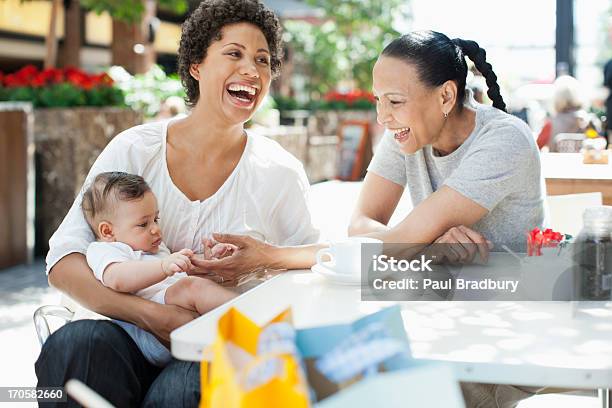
[100, 255]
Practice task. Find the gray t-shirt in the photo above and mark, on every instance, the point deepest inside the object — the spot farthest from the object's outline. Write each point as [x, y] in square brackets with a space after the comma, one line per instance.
[498, 167]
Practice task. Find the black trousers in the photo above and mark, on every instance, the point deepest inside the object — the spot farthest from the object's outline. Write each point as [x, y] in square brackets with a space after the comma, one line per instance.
[102, 355]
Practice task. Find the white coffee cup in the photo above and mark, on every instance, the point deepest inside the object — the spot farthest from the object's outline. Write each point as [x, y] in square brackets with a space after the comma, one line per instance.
[351, 256]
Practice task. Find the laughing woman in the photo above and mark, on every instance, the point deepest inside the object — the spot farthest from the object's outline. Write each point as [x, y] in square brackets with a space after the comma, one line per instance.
[472, 171]
[209, 175]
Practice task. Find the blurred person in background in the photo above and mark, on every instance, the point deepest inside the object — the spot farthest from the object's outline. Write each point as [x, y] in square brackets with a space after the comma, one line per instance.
[608, 84]
[569, 115]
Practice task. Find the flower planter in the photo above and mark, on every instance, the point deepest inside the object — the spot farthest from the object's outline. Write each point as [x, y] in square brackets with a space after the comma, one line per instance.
[291, 138]
[16, 184]
[323, 126]
[68, 140]
[76, 114]
[322, 157]
[324, 122]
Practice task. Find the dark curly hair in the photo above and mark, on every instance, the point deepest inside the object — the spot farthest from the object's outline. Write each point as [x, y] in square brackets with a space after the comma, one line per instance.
[438, 59]
[204, 26]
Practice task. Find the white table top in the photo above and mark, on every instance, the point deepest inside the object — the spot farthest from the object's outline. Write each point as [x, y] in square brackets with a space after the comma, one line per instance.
[570, 166]
[531, 343]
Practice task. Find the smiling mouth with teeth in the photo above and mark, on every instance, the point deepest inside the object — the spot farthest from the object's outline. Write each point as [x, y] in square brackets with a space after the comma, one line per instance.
[243, 93]
[401, 135]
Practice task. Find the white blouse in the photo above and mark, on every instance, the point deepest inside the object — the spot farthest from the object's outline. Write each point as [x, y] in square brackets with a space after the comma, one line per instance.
[265, 196]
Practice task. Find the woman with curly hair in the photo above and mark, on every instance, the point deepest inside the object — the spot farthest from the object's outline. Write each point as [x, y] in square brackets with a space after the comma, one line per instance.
[472, 171]
[209, 175]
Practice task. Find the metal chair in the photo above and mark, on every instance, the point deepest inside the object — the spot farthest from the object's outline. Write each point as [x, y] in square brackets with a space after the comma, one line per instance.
[568, 142]
[68, 310]
[41, 322]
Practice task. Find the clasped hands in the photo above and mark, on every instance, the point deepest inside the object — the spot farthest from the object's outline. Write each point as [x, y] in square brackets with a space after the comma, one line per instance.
[226, 259]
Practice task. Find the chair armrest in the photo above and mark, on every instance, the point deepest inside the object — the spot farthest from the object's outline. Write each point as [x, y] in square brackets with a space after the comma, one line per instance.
[42, 325]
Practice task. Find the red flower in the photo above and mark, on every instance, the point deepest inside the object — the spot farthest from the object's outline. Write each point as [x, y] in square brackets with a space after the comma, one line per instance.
[14, 81]
[87, 83]
[75, 77]
[537, 239]
[102, 79]
[39, 81]
[52, 75]
[27, 73]
[349, 98]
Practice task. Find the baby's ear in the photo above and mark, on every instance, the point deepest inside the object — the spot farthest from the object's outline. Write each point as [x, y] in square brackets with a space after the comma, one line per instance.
[105, 231]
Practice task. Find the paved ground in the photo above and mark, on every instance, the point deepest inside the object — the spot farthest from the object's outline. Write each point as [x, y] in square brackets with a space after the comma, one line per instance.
[23, 289]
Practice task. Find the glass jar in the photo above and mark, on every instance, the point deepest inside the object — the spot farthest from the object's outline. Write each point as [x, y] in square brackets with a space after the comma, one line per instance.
[593, 255]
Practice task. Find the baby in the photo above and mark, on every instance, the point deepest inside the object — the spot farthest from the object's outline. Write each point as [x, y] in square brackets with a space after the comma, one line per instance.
[129, 255]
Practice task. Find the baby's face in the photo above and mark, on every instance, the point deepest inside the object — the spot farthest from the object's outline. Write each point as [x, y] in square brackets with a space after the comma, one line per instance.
[136, 223]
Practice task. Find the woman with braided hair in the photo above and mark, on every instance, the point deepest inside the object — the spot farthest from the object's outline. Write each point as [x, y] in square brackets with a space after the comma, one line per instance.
[472, 171]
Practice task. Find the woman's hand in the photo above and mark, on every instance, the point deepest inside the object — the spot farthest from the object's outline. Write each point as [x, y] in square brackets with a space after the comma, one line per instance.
[161, 320]
[461, 244]
[248, 256]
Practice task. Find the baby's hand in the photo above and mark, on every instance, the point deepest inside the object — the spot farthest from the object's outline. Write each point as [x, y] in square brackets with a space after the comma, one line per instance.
[217, 250]
[177, 262]
[221, 250]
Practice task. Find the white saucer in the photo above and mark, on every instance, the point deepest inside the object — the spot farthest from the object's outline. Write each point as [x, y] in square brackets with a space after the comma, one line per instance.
[336, 277]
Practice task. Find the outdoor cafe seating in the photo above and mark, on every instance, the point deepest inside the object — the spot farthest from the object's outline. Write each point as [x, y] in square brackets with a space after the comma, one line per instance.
[317, 303]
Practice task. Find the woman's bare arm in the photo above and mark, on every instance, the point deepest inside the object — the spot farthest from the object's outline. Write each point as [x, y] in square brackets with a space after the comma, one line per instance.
[252, 255]
[429, 220]
[375, 206]
[370, 215]
[444, 217]
[72, 276]
[433, 217]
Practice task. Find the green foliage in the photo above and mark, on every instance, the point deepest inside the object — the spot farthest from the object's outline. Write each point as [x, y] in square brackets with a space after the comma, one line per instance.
[105, 96]
[130, 11]
[146, 92]
[346, 45]
[59, 88]
[286, 103]
[61, 96]
[21, 94]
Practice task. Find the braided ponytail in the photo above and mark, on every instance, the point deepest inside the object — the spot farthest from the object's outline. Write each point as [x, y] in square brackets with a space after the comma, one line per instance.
[438, 59]
[478, 55]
